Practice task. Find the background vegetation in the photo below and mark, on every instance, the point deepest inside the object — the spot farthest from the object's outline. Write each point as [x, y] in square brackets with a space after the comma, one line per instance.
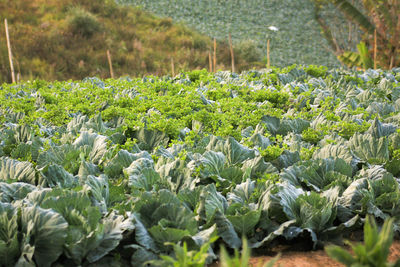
[379, 23]
[298, 40]
[69, 39]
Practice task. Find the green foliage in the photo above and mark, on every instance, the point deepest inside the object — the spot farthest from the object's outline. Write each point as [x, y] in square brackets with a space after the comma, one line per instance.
[43, 235]
[271, 152]
[396, 154]
[374, 251]
[197, 75]
[307, 153]
[311, 135]
[348, 129]
[242, 260]
[184, 257]
[130, 164]
[249, 50]
[316, 71]
[82, 22]
[249, 22]
[377, 20]
[361, 59]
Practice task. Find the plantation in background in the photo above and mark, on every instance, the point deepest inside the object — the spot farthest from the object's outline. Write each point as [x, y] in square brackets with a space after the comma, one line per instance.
[108, 171]
[297, 41]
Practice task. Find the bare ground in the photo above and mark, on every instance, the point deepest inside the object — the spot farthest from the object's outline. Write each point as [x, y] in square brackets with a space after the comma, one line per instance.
[311, 258]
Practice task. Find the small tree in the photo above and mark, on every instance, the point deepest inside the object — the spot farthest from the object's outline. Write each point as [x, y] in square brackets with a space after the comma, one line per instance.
[83, 23]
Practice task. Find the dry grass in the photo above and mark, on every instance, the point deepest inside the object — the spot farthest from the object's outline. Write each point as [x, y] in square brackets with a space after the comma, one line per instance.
[63, 39]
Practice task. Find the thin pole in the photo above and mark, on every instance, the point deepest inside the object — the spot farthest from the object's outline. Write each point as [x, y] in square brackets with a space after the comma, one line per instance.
[210, 61]
[19, 71]
[350, 37]
[268, 62]
[172, 67]
[375, 48]
[215, 55]
[232, 55]
[110, 63]
[9, 52]
[391, 62]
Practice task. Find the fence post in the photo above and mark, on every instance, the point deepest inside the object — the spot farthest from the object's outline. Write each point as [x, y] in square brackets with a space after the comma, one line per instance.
[268, 62]
[215, 55]
[172, 67]
[210, 61]
[110, 64]
[232, 55]
[9, 52]
[375, 48]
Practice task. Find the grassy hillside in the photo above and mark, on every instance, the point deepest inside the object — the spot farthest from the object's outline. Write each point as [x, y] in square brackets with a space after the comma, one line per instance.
[68, 40]
[298, 40]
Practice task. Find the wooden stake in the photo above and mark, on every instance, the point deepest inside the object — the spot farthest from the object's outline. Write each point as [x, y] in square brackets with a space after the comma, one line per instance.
[232, 55]
[9, 52]
[110, 64]
[350, 37]
[375, 48]
[350, 34]
[210, 61]
[268, 62]
[19, 71]
[172, 67]
[215, 55]
[391, 62]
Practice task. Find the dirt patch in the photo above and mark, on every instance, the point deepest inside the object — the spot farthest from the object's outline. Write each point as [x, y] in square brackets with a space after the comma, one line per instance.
[312, 258]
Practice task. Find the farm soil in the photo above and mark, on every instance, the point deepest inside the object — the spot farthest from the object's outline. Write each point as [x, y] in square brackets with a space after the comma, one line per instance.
[311, 258]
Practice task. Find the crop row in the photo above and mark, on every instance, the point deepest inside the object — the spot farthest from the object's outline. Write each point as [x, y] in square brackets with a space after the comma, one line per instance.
[108, 171]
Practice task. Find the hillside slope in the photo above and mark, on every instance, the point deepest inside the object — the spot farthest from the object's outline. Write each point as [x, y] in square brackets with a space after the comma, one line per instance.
[298, 40]
[61, 39]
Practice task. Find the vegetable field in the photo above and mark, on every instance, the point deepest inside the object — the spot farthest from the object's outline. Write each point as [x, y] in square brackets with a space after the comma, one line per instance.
[145, 170]
[297, 41]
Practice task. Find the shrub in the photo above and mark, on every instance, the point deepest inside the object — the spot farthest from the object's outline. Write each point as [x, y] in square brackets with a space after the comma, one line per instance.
[248, 50]
[83, 23]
